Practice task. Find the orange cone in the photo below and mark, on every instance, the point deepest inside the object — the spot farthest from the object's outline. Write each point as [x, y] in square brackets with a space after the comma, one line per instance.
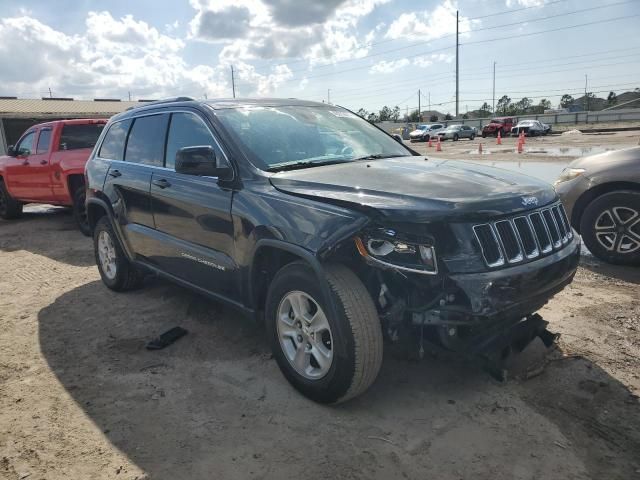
[499, 139]
[438, 146]
[520, 146]
[522, 135]
[430, 144]
[480, 148]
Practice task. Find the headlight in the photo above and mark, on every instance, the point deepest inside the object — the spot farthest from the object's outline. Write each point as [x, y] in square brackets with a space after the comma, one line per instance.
[569, 174]
[398, 254]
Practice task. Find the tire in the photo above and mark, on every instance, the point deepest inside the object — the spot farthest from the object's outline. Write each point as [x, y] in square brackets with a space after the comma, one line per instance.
[10, 208]
[123, 275]
[354, 340]
[619, 244]
[472, 137]
[455, 137]
[80, 210]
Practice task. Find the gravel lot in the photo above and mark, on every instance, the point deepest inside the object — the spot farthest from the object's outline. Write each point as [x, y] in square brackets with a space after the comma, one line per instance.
[81, 398]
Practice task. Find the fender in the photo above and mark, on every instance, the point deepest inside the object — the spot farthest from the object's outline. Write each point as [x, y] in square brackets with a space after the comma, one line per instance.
[309, 257]
[116, 226]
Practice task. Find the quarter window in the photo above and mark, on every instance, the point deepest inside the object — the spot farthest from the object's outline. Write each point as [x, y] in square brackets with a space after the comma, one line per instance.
[112, 147]
[44, 140]
[187, 130]
[146, 140]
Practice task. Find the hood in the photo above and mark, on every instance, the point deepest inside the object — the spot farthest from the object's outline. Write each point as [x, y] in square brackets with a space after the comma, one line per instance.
[417, 189]
[607, 160]
[417, 132]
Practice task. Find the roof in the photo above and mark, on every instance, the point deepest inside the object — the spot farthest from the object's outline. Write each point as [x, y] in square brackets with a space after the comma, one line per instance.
[63, 107]
[264, 102]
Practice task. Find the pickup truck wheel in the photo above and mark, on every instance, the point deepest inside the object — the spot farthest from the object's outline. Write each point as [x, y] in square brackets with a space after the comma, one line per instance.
[610, 227]
[329, 360]
[116, 271]
[10, 208]
[484, 135]
[80, 210]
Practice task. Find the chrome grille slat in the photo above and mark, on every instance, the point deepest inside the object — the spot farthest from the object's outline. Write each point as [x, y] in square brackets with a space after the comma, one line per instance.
[535, 234]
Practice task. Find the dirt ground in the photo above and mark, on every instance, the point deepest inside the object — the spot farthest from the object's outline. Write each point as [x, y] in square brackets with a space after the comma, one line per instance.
[81, 398]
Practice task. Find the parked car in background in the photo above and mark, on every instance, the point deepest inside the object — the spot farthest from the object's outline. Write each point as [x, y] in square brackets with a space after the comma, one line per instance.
[530, 128]
[499, 124]
[47, 166]
[601, 194]
[456, 132]
[424, 132]
[334, 241]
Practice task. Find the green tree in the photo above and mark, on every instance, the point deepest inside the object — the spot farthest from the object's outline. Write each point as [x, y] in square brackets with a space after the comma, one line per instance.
[485, 110]
[465, 116]
[362, 113]
[544, 105]
[395, 113]
[612, 98]
[504, 105]
[522, 106]
[433, 118]
[373, 117]
[566, 101]
[414, 116]
[385, 114]
[448, 116]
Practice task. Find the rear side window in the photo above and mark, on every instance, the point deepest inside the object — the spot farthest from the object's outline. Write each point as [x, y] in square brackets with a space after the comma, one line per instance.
[112, 147]
[44, 140]
[187, 130]
[146, 140]
[75, 137]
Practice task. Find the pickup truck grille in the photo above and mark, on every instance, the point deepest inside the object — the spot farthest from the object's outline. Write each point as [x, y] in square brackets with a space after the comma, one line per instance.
[524, 237]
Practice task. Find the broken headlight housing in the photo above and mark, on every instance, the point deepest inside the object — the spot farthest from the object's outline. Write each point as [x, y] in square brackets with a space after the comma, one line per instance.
[398, 254]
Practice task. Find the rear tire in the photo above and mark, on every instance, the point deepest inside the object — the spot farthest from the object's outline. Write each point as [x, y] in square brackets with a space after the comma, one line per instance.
[10, 208]
[472, 137]
[80, 210]
[456, 137]
[610, 227]
[353, 342]
[116, 271]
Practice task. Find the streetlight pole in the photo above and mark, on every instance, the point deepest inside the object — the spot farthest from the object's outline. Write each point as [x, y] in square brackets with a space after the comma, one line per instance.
[457, 65]
[494, 88]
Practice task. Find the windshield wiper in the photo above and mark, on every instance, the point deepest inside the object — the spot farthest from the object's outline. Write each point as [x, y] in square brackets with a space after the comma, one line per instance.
[377, 156]
[281, 167]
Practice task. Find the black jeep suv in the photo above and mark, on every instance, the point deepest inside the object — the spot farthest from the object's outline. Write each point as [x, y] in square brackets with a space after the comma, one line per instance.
[329, 230]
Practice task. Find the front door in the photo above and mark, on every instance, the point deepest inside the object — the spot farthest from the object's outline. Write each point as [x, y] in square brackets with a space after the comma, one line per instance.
[17, 169]
[192, 214]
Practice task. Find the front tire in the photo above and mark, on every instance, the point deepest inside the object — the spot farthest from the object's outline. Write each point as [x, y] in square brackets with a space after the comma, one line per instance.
[472, 137]
[116, 271]
[610, 227]
[80, 210]
[456, 137]
[10, 208]
[328, 359]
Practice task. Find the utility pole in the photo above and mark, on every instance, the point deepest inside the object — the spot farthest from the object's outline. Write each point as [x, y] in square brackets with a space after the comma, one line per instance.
[429, 101]
[51, 95]
[586, 98]
[129, 95]
[233, 83]
[329, 96]
[494, 88]
[457, 65]
[419, 112]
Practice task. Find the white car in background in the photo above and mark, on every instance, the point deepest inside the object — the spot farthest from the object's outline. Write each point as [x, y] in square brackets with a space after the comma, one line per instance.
[531, 128]
[424, 131]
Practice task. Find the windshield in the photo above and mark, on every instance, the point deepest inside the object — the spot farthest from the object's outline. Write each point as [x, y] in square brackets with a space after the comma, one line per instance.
[495, 120]
[423, 127]
[276, 137]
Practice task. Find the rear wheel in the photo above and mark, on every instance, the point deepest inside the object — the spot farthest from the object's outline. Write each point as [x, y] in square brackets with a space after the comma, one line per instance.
[610, 227]
[328, 358]
[116, 271]
[10, 208]
[455, 137]
[472, 137]
[80, 210]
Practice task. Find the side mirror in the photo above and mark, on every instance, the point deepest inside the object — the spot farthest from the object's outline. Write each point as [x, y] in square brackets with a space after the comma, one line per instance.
[200, 160]
[397, 137]
[11, 151]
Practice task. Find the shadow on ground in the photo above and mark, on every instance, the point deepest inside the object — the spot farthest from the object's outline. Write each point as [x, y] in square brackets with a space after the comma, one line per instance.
[620, 272]
[33, 232]
[214, 404]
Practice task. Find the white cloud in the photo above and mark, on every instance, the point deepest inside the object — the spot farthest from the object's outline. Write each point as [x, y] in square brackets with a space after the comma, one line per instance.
[525, 3]
[388, 67]
[429, 25]
[428, 60]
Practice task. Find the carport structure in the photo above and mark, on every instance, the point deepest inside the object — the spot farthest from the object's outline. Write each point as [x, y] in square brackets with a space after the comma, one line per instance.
[16, 115]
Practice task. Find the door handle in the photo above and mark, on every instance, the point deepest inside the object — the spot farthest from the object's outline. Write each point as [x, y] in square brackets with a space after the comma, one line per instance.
[25, 163]
[115, 173]
[162, 183]
[43, 162]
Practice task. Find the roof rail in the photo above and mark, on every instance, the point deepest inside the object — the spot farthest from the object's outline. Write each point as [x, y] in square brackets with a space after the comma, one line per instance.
[164, 100]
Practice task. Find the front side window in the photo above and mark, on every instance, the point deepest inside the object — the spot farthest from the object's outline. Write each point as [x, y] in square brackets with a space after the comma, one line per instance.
[112, 147]
[75, 137]
[44, 139]
[145, 144]
[25, 146]
[279, 137]
[187, 130]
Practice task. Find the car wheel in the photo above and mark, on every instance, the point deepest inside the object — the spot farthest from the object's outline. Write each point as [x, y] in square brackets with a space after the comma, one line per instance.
[116, 271]
[455, 137]
[610, 227]
[328, 356]
[484, 135]
[472, 137]
[10, 208]
[80, 210]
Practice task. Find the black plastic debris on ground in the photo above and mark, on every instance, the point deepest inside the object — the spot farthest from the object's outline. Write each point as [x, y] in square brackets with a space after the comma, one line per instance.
[167, 338]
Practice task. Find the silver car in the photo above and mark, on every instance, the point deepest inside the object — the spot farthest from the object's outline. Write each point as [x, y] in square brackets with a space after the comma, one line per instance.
[456, 132]
[601, 195]
[530, 128]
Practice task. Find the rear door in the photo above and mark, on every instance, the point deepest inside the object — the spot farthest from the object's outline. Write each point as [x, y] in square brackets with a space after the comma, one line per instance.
[193, 213]
[39, 168]
[133, 147]
[17, 169]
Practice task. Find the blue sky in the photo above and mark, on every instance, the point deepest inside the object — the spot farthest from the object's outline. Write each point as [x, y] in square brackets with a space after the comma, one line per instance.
[369, 53]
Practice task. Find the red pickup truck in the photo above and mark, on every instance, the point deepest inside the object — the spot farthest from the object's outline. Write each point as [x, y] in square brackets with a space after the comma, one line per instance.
[47, 166]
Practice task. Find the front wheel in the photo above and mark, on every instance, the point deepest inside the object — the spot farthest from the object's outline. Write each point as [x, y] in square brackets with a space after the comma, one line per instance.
[328, 356]
[472, 137]
[484, 135]
[116, 271]
[455, 137]
[610, 227]
[10, 208]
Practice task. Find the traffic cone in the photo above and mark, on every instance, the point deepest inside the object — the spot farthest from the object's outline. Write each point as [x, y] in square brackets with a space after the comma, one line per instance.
[522, 136]
[430, 144]
[499, 139]
[520, 145]
[438, 146]
[480, 148]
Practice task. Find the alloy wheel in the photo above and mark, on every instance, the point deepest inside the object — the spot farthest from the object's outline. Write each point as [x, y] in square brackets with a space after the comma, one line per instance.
[617, 229]
[107, 255]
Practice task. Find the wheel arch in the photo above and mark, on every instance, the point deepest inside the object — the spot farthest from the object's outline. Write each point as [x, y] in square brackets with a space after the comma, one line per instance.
[74, 181]
[98, 208]
[590, 195]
